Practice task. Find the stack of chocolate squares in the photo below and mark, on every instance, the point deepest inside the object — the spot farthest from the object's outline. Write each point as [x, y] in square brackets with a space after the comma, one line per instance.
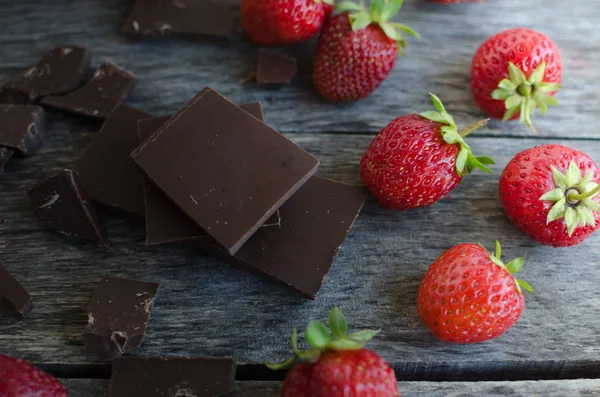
[215, 176]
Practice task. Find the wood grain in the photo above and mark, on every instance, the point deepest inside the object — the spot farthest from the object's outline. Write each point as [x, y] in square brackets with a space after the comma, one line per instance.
[170, 71]
[566, 388]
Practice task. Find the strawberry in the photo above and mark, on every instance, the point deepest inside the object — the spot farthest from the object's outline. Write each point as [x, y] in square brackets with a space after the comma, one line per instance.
[551, 193]
[468, 295]
[418, 159]
[276, 22]
[19, 378]
[358, 49]
[337, 364]
[514, 72]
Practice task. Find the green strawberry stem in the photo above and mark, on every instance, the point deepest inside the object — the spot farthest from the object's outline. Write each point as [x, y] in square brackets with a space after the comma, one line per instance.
[380, 13]
[512, 267]
[320, 339]
[465, 161]
[524, 95]
[572, 198]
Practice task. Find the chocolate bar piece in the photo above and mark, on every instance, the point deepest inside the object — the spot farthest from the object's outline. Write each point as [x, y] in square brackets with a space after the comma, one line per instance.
[227, 170]
[58, 72]
[118, 316]
[14, 299]
[61, 203]
[274, 68]
[172, 226]
[107, 89]
[22, 128]
[171, 377]
[106, 170]
[10, 97]
[190, 18]
[5, 155]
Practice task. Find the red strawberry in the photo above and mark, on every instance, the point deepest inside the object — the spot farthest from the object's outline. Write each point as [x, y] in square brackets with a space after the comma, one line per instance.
[551, 192]
[468, 295]
[337, 364]
[514, 72]
[418, 159]
[275, 22]
[19, 378]
[357, 50]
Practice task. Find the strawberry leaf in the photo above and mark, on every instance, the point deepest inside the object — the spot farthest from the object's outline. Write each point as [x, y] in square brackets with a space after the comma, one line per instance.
[524, 284]
[390, 9]
[376, 10]
[345, 344]
[346, 6]
[317, 335]
[337, 322]
[515, 265]
[362, 336]
[287, 364]
[359, 20]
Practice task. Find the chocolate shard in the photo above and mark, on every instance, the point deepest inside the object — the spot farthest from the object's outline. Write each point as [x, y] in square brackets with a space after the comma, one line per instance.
[10, 97]
[228, 171]
[189, 18]
[58, 72]
[106, 170]
[118, 316]
[274, 68]
[22, 128]
[14, 299]
[171, 377]
[172, 226]
[109, 86]
[61, 203]
[5, 155]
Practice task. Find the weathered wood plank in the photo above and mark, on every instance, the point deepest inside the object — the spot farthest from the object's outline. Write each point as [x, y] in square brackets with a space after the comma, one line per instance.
[563, 388]
[207, 308]
[171, 71]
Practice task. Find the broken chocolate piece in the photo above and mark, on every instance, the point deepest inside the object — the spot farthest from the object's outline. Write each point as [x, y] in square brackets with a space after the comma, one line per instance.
[171, 377]
[227, 170]
[109, 86]
[5, 155]
[14, 298]
[61, 203]
[189, 18]
[22, 128]
[274, 68]
[118, 316]
[58, 72]
[106, 170]
[172, 225]
[11, 97]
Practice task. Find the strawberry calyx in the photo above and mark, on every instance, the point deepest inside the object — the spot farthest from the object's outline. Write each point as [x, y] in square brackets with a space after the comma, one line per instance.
[573, 198]
[523, 94]
[512, 267]
[330, 2]
[465, 161]
[380, 13]
[320, 339]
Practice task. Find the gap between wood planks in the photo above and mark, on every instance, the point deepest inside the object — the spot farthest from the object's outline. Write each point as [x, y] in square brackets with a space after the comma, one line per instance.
[476, 135]
[439, 372]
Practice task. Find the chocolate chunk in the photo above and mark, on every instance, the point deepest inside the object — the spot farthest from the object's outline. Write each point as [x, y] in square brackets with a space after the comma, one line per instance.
[11, 97]
[118, 316]
[172, 225]
[5, 155]
[107, 89]
[58, 72]
[171, 377]
[179, 17]
[61, 203]
[227, 170]
[275, 68]
[105, 168]
[14, 299]
[22, 128]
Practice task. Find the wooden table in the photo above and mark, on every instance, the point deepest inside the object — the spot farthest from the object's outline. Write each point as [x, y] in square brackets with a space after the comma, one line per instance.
[208, 308]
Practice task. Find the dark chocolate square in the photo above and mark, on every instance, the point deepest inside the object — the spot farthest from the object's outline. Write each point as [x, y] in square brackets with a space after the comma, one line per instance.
[22, 128]
[118, 316]
[61, 203]
[228, 171]
[274, 68]
[14, 299]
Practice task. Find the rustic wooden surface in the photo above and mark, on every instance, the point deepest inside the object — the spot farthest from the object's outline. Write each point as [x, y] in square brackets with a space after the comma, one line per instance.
[566, 388]
[208, 308]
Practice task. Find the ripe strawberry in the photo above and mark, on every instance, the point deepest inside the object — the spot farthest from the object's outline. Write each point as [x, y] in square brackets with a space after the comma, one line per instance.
[19, 378]
[514, 72]
[357, 50]
[276, 22]
[337, 364]
[468, 295]
[418, 159]
[551, 192]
